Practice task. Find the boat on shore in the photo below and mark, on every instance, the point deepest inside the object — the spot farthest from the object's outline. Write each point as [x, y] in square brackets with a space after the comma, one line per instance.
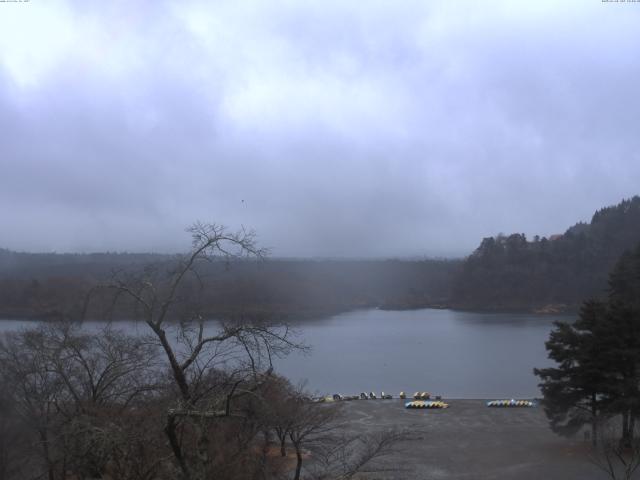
[426, 404]
[510, 403]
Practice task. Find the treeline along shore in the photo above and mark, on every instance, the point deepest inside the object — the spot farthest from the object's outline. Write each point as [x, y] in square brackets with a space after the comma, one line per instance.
[505, 273]
[50, 285]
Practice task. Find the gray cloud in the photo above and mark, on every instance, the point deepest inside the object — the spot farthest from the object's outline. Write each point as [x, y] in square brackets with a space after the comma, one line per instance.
[332, 129]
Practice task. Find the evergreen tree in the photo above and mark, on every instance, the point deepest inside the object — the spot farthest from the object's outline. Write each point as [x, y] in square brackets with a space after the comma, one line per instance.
[598, 357]
[575, 392]
[508, 272]
[622, 339]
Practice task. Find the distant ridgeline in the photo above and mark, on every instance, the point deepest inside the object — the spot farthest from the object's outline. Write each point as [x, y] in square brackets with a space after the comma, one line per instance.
[548, 275]
[37, 285]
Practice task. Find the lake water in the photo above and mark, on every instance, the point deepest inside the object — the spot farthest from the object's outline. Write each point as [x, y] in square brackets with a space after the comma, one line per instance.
[445, 352]
[455, 354]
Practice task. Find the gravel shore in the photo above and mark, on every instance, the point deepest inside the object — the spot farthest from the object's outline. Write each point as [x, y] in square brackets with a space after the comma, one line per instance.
[471, 441]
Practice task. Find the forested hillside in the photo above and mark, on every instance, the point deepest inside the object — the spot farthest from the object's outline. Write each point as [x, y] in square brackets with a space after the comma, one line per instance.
[548, 274]
[48, 285]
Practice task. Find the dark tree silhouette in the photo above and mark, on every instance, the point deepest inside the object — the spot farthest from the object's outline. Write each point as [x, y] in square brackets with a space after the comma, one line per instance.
[508, 272]
[598, 357]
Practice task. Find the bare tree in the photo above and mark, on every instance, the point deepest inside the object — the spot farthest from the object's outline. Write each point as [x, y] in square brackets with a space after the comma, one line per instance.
[36, 394]
[318, 431]
[346, 456]
[281, 402]
[190, 399]
[12, 436]
[192, 349]
[311, 424]
[619, 459]
[63, 379]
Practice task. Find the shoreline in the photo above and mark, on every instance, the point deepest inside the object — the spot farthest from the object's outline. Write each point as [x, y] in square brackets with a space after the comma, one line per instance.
[319, 314]
[504, 443]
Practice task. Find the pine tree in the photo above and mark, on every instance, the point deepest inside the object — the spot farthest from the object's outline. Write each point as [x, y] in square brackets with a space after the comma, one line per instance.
[598, 357]
[576, 391]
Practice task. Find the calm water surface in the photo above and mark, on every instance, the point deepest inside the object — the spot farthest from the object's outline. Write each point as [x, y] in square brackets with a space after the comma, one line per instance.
[455, 354]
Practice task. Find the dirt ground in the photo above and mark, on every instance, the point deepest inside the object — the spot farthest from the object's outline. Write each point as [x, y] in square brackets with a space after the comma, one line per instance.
[471, 441]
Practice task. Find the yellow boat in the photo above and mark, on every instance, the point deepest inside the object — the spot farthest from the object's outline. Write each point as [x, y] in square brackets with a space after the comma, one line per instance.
[426, 404]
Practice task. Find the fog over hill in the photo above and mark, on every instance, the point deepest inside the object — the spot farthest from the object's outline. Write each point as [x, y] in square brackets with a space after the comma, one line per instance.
[506, 272]
[352, 130]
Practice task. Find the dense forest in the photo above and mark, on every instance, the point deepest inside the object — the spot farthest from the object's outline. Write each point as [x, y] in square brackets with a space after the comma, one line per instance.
[51, 285]
[507, 272]
[548, 274]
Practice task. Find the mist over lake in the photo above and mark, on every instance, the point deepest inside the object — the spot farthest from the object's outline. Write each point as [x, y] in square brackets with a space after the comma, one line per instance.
[445, 352]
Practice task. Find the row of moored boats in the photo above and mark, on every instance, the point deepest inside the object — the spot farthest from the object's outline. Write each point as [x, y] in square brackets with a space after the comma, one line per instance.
[422, 400]
[510, 403]
[493, 403]
[337, 397]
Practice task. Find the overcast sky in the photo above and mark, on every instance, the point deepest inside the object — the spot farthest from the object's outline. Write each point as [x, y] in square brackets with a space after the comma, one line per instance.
[344, 128]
